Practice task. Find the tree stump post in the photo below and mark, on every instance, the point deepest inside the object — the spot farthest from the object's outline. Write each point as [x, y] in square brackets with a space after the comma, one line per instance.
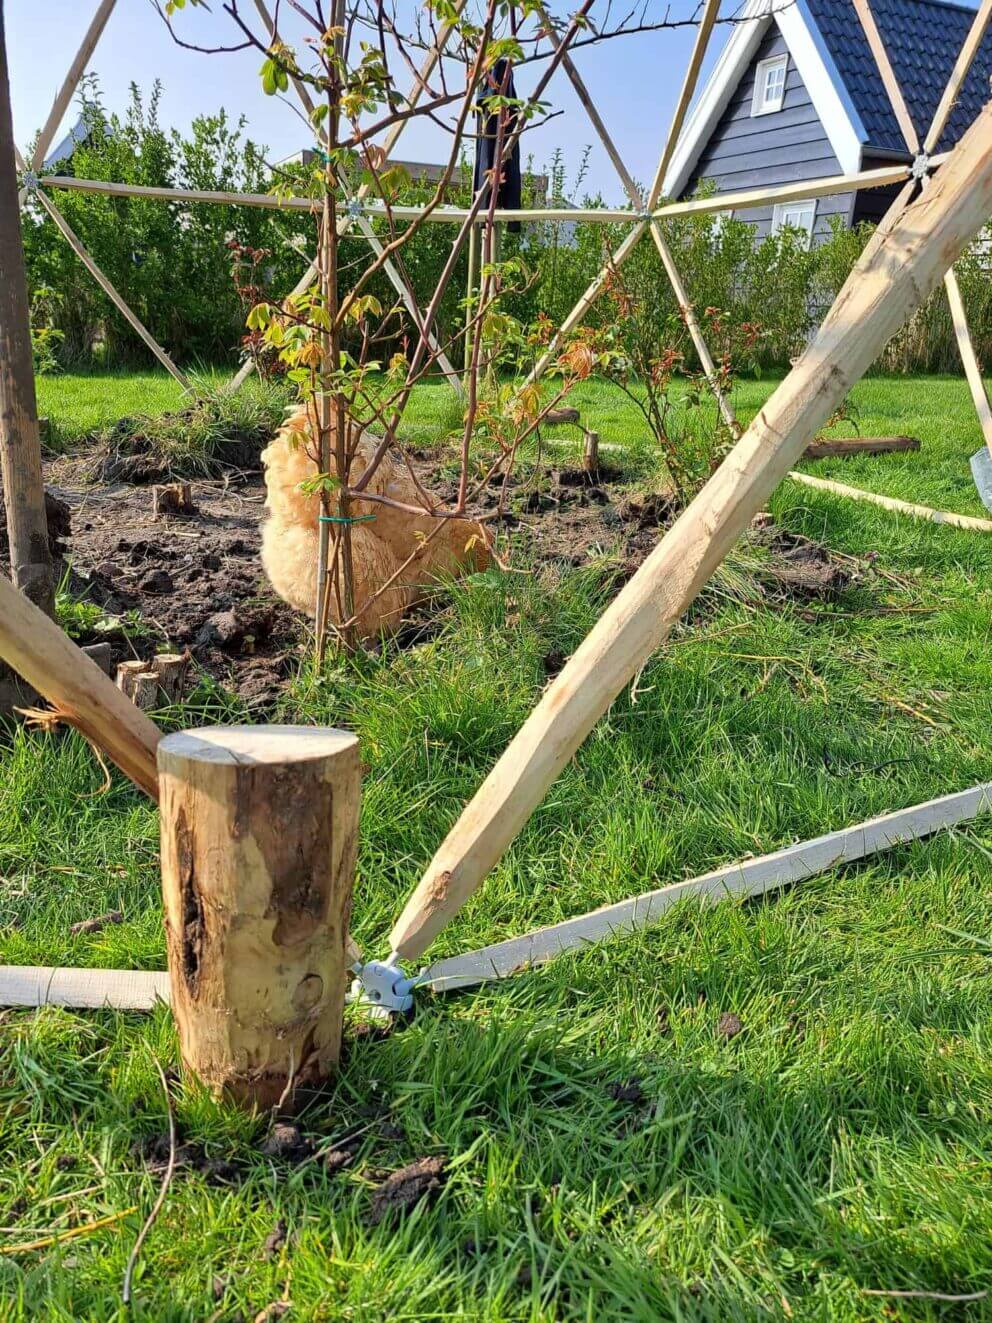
[259, 834]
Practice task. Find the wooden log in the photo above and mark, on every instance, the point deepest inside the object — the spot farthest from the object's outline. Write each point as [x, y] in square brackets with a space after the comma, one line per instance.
[127, 673]
[831, 448]
[145, 693]
[259, 833]
[559, 417]
[877, 298]
[20, 444]
[170, 669]
[590, 452]
[172, 498]
[80, 693]
[891, 503]
[750, 877]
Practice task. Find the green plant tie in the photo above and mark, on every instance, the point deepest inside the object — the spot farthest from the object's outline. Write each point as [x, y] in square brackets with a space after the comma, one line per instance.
[344, 519]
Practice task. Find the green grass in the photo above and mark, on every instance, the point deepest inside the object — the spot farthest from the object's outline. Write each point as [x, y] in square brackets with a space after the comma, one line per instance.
[79, 403]
[842, 1142]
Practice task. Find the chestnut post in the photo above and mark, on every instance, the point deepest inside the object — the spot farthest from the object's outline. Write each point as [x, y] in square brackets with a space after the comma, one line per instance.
[259, 833]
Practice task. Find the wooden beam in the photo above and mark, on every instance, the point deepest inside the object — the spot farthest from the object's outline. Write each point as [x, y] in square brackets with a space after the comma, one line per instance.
[750, 877]
[76, 687]
[889, 80]
[270, 202]
[891, 503]
[959, 73]
[20, 441]
[873, 304]
[76, 244]
[749, 198]
[71, 82]
[585, 302]
[83, 989]
[710, 13]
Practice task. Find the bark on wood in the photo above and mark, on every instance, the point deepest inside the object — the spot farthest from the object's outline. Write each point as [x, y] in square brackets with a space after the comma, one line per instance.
[36, 648]
[825, 448]
[590, 452]
[171, 669]
[20, 444]
[259, 832]
[880, 294]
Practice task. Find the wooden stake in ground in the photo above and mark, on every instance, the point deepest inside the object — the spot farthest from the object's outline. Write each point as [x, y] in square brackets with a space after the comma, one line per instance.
[885, 287]
[259, 833]
[20, 445]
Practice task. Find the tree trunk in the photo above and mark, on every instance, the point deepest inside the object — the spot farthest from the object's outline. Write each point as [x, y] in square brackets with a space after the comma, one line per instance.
[20, 446]
[259, 833]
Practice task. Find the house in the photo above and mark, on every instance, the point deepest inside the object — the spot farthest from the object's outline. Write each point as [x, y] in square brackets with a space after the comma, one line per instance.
[796, 95]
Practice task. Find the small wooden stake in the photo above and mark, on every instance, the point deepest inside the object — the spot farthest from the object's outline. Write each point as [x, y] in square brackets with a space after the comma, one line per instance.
[590, 452]
[259, 832]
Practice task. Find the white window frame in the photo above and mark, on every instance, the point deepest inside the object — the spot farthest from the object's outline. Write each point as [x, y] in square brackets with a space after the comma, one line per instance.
[760, 103]
[780, 217]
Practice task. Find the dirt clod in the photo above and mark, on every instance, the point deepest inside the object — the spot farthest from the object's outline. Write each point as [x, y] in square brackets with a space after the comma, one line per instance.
[286, 1141]
[275, 1240]
[728, 1026]
[157, 581]
[337, 1160]
[627, 1091]
[406, 1187]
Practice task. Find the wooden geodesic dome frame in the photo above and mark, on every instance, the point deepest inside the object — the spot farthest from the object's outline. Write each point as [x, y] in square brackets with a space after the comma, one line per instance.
[913, 249]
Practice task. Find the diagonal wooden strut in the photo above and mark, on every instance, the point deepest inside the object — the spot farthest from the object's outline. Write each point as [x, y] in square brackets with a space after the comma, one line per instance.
[750, 877]
[959, 73]
[877, 298]
[68, 88]
[887, 74]
[703, 33]
[632, 191]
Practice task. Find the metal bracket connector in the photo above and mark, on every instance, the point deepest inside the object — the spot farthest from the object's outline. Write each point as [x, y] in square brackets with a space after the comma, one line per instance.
[383, 988]
[921, 167]
[355, 208]
[30, 181]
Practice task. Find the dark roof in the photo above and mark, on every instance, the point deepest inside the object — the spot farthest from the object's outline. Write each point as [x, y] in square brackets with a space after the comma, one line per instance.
[923, 39]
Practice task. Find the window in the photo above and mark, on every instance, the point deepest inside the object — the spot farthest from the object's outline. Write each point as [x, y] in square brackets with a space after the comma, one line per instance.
[769, 85]
[794, 216]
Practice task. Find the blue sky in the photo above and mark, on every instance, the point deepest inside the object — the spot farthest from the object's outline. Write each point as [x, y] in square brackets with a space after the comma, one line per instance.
[634, 79]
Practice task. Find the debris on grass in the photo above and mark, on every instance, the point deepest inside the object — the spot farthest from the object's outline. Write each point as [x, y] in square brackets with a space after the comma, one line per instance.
[96, 924]
[628, 1091]
[275, 1240]
[405, 1188]
[286, 1141]
[728, 1026]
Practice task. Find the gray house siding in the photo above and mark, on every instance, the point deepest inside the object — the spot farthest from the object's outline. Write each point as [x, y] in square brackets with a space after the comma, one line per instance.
[871, 204]
[783, 147]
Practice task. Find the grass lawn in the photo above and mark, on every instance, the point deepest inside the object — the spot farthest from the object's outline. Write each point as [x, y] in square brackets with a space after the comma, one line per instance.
[840, 1144]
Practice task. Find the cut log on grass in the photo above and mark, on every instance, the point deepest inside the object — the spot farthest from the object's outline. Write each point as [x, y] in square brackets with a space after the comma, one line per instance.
[750, 877]
[559, 417]
[826, 448]
[891, 503]
[259, 833]
[883, 290]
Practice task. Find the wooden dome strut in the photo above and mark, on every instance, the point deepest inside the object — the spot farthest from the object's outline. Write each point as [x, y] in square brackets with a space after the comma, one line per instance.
[912, 251]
